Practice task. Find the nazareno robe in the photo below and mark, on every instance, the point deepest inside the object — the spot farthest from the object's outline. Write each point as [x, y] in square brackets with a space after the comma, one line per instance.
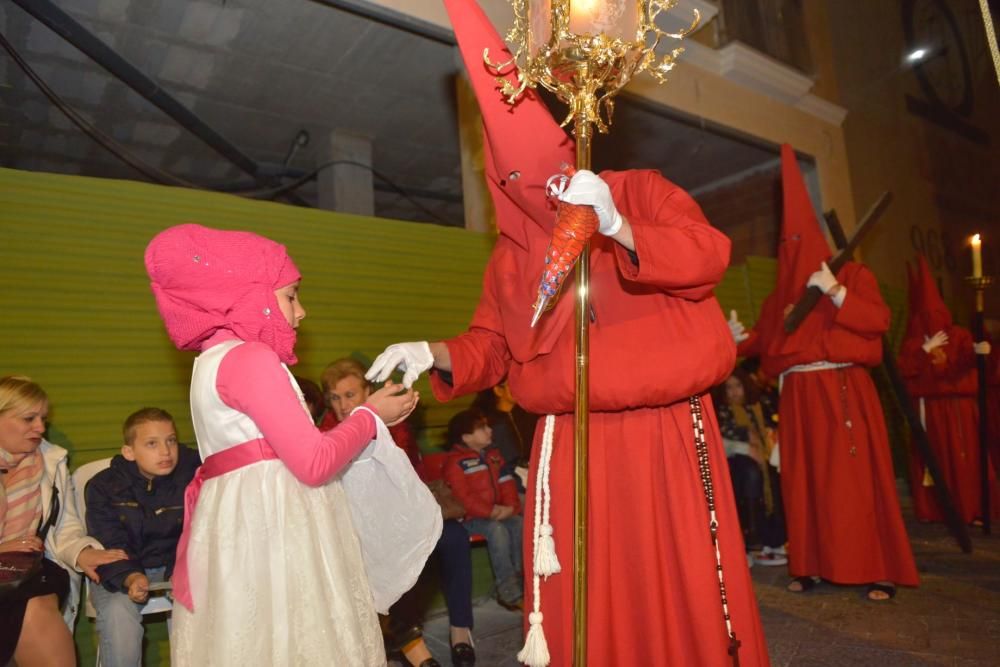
[841, 506]
[657, 337]
[946, 382]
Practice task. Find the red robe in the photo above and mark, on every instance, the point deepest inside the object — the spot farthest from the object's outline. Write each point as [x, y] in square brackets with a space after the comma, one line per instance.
[946, 382]
[841, 508]
[993, 404]
[658, 337]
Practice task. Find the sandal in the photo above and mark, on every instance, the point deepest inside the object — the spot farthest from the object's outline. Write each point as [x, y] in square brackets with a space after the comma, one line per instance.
[805, 584]
[887, 589]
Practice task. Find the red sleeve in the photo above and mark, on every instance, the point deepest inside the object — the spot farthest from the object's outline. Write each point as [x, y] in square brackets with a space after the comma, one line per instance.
[480, 356]
[678, 251]
[252, 380]
[913, 361]
[863, 311]
[960, 353]
[404, 438]
[475, 506]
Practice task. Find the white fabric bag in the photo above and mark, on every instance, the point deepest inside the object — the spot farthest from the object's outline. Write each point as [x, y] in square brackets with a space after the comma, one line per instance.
[396, 518]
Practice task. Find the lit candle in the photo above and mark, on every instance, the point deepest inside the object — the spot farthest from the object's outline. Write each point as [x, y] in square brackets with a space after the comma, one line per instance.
[582, 14]
[977, 257]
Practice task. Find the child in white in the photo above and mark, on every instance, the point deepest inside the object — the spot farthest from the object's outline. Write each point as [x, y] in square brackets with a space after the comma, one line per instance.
[269, 571]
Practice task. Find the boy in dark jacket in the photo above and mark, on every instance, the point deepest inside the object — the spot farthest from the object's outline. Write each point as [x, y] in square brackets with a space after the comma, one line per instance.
[492, 507]
[137, 504]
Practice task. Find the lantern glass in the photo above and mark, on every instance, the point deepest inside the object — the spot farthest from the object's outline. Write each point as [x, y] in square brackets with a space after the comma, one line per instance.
[539, 25]
[615, 19]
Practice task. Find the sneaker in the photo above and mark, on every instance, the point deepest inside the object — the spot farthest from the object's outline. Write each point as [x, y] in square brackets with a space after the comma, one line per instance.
[770, 559]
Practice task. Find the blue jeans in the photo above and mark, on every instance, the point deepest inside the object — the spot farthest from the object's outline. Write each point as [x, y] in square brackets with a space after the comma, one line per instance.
[503, 541]
[119, 624]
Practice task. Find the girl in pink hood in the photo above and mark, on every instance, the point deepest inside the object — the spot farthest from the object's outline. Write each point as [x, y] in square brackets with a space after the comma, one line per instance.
[269, 570]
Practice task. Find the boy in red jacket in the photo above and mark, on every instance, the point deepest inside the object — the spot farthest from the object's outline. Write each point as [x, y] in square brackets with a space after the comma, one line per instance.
[492, 508]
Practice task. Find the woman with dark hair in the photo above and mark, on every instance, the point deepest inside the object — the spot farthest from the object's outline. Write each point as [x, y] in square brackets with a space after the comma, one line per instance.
[749, 435]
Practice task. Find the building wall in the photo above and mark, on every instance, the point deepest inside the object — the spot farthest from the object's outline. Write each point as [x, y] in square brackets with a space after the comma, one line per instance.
[938, 156]
[702, 94]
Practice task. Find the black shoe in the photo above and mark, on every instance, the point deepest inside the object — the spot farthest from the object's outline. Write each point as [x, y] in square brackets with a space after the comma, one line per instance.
[463, 655]
[430, 662]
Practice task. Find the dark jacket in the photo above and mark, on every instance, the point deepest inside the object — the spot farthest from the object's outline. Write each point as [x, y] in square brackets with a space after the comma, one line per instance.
[143, 517]
[477, 481]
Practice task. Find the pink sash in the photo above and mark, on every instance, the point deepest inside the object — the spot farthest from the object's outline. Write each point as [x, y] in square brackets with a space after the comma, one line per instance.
[215, 465]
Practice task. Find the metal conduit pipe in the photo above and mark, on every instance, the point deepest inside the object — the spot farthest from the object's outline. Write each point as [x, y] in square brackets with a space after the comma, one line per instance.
[394, 19]
[66, 27]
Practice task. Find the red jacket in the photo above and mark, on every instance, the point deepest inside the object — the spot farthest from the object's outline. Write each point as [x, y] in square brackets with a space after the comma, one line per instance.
[474, 478]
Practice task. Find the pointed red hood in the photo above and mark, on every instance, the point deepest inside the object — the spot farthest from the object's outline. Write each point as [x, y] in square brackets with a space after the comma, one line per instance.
[801, 249]
[523, 145]
[802, 246]
[933, 314]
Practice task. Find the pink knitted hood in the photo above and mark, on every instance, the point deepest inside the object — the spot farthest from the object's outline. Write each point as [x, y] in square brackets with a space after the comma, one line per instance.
[206, 280]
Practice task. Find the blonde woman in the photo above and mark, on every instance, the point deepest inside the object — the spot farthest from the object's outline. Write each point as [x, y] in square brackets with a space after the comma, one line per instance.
[38, 516]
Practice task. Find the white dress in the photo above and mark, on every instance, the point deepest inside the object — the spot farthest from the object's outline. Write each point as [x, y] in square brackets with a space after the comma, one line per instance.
[275, 567]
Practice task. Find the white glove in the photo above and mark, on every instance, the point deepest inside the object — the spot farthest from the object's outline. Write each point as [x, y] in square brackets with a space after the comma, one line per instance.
[940, 339]
[736, 328]
[982, 347]
[588, 188]
[411, 358]
[823, 279]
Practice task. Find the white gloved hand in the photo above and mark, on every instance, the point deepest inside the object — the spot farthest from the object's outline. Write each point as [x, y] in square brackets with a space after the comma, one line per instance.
[736, 328]
[823, 279]
[982, 347]
[940, 339]
[588, 188]
[411, 358]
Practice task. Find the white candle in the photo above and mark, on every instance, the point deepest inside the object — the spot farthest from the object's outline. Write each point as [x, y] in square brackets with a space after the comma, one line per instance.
[977, 257]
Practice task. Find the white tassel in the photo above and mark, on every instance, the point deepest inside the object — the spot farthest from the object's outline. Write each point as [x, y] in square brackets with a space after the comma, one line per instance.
[536, 650]
[546, 561]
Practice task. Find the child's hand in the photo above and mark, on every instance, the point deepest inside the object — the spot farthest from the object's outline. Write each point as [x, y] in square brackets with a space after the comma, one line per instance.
[393, 402]
[138, 587]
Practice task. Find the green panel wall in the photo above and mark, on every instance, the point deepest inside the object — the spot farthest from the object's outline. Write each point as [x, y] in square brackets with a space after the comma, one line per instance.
[79, 318]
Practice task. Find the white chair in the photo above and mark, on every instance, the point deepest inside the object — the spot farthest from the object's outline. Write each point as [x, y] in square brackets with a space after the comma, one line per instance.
[157, 604]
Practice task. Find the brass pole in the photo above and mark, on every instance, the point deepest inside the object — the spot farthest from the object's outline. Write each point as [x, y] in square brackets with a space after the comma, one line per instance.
[582, 132]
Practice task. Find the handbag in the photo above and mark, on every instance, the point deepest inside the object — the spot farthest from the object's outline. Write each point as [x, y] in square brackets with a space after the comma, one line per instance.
[395, 516]
[17, 567]
[451, 507]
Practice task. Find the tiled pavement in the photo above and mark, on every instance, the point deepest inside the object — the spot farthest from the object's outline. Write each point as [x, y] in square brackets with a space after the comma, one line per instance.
[952, 619]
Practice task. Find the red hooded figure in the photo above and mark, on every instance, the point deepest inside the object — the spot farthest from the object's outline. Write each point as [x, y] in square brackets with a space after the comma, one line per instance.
[658, 337]
[842, 511]
[938, 364]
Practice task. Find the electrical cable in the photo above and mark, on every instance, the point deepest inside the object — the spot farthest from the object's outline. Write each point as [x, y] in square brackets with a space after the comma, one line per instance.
[109, 143]
[157, 175]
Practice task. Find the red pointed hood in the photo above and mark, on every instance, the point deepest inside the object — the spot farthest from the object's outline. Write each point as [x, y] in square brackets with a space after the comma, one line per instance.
[523, 145]
[933, 314]
[801, 249]
[802, 246]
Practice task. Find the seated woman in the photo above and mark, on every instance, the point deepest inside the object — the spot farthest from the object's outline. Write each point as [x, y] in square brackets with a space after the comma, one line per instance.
[38, 516]
[748, 432]
[345, 388]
